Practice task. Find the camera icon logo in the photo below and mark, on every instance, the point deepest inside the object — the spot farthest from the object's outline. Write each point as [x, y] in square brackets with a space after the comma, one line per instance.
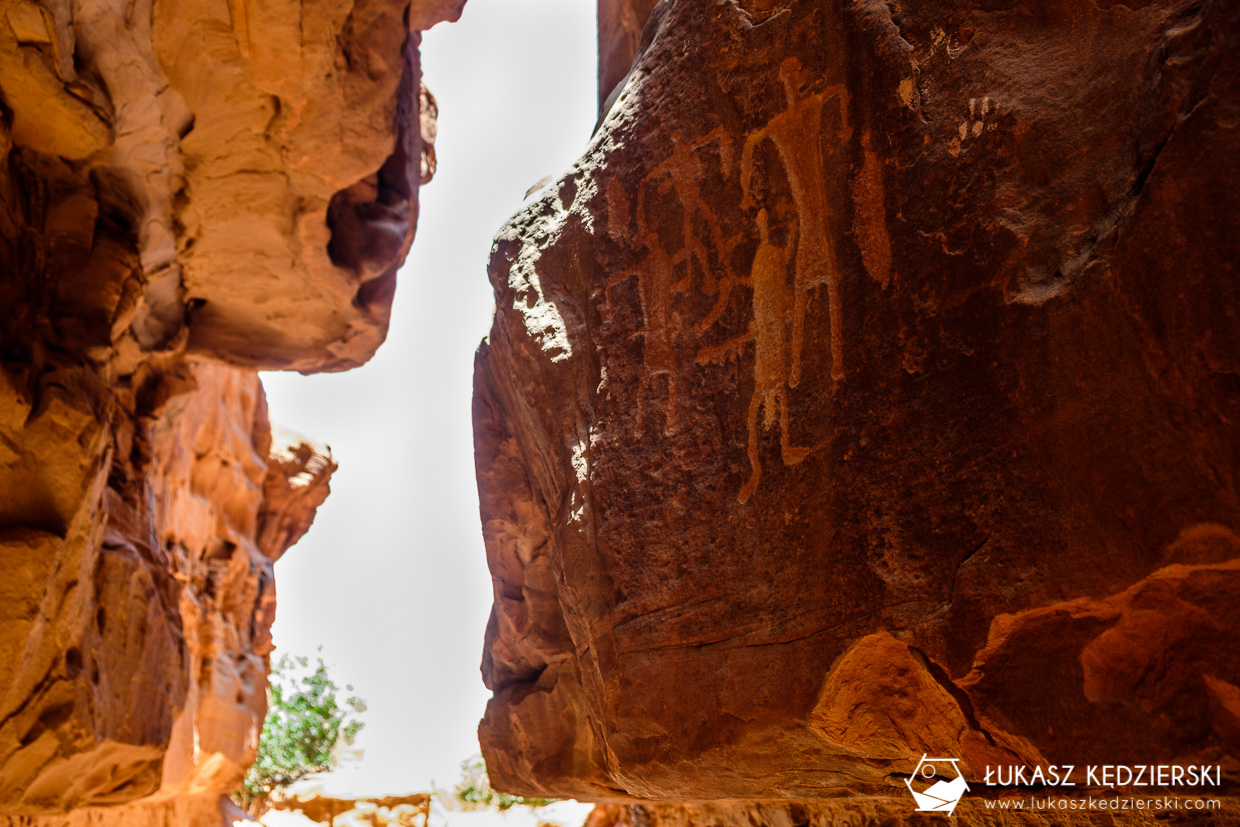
[937, 785]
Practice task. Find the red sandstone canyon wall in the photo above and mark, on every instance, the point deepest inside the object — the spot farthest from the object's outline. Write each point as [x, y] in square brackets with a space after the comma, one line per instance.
[189, 192]
[870, 388]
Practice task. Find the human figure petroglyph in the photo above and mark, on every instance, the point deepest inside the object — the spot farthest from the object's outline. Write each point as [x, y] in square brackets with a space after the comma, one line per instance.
[795, 135]
[777, 327]
[770, 363]
[682, 171]
[657, 278]
[768, 330]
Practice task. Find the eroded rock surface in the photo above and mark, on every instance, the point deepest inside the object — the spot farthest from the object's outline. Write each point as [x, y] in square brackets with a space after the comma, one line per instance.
[870, 813]
[139, 625]
[317, 803]
[871, 387]
[189, 192]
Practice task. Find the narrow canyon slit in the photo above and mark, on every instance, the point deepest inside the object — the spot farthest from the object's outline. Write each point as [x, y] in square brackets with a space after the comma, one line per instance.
[845, 427]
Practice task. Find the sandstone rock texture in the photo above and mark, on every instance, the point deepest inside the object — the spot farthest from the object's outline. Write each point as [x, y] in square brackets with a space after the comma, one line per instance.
[138, 627]
[871, 388]
[863, 813]
[317, 805]
[189, 192]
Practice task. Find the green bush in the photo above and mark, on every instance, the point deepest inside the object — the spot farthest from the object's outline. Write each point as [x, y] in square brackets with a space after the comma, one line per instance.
[305, 721]
[475, 789]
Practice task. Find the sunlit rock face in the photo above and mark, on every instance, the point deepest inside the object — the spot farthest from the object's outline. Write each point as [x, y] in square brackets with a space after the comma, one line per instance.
[871, 388]
[138, 625]
[189, 192]
[320, 801]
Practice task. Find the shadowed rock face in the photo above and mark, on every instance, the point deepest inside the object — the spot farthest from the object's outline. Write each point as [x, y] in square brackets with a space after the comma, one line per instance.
[620, 24]
[189, 191]
[871, 388]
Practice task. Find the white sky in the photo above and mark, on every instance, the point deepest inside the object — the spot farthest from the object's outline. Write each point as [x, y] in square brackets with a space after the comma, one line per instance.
[392, 581]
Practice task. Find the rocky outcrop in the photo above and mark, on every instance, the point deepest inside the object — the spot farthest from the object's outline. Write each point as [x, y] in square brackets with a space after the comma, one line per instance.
[871, 388]
[139, 625]
[189, 192]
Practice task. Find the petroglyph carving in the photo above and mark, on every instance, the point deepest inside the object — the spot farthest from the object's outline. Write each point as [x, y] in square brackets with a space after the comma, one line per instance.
[870, 214]
[770, 365]
[973, 126]
[657, 278]
[777, 327]
[795, 134]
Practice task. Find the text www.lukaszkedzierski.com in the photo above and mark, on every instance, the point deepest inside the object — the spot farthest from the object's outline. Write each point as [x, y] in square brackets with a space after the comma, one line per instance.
[1163, 803]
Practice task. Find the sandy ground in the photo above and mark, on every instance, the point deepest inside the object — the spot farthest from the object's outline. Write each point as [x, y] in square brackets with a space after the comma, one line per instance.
[350, 782]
